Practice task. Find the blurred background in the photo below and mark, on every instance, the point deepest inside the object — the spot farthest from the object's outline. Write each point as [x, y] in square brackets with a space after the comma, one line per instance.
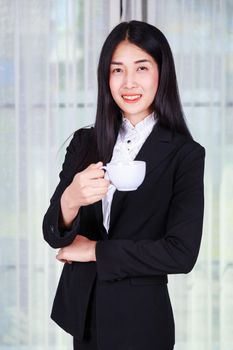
[48, 61]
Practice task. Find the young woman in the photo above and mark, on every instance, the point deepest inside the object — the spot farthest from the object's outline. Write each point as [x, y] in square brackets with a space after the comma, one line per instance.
[118, 247]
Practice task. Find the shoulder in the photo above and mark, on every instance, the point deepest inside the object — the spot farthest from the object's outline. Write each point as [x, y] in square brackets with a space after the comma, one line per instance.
[187, 146]
[189, 156]
[183, 143]
[83, 133]
[81, 137]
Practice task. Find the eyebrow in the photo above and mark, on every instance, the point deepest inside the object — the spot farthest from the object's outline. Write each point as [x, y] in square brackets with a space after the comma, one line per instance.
[138, 61]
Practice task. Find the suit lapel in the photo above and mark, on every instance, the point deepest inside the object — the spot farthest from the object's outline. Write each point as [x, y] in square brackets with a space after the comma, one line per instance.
[155, 149]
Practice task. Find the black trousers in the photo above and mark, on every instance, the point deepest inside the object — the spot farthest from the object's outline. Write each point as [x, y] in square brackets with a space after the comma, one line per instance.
[90, 341]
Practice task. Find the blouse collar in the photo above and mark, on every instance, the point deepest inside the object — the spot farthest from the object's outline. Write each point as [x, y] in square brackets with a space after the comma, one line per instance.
[127, 126]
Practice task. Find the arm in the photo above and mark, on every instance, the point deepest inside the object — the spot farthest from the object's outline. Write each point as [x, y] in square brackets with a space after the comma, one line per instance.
[58, 230]
[177, 251]
[68, 211]
[77, 188]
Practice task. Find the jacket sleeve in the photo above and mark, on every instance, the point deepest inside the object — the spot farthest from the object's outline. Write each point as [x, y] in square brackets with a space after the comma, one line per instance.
[177, 251]
[54, 235]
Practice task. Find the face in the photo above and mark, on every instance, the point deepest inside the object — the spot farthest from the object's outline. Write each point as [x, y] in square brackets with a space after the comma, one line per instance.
[133, 81]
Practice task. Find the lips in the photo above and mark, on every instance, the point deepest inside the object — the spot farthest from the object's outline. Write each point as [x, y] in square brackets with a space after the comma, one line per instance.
[131, 98]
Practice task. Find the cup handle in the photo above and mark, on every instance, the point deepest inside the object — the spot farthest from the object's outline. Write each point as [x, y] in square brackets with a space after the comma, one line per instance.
[106, 172]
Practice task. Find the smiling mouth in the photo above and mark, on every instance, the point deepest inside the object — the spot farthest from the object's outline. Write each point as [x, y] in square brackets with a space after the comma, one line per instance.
[131, 98]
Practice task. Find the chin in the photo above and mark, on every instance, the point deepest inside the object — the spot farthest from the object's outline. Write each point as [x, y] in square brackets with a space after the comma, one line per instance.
[134, 111]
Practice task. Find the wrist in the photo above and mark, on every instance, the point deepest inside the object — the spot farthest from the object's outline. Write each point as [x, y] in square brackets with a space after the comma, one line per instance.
[66, 199]
[92, 250]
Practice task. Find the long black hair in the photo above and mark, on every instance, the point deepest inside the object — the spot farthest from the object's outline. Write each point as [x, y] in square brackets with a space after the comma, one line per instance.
[167, 105]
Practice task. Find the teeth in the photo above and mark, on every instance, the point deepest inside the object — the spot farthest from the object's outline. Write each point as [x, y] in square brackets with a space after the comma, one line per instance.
[131, 97]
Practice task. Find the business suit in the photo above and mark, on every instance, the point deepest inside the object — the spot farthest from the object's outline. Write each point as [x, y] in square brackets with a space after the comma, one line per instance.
[154, 231]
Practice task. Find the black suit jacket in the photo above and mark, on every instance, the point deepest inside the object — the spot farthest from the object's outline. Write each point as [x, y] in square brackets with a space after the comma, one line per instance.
[154, 231]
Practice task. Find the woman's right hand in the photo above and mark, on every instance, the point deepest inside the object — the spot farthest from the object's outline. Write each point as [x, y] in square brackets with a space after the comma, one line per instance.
[87, 187]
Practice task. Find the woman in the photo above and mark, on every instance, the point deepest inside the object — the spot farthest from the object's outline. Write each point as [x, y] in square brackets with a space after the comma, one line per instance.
[118, 247]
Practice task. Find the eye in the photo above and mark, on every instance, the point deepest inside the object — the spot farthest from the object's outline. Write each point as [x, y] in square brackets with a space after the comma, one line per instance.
[143, 68]
[116, 70]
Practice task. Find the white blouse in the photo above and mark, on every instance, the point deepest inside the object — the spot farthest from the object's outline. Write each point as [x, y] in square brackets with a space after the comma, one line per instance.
[129, 141]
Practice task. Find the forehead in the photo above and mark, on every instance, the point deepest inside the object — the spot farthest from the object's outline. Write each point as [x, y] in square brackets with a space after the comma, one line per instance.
[126, 51]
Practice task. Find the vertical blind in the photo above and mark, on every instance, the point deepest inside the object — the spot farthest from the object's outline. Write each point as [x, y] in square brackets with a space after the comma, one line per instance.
[201, 37]
[48, 60]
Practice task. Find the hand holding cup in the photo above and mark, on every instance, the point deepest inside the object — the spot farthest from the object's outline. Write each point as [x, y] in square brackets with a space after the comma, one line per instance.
[88, 186]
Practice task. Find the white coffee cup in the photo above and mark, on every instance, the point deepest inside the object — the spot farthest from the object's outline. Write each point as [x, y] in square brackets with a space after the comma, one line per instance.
[126, 176]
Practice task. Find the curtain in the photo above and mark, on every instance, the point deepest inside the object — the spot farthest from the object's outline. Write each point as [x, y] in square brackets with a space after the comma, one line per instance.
[48, 60]
[200, 34]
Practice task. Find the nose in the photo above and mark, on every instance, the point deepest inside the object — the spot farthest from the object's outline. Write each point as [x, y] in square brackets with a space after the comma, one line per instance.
[129, 80]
